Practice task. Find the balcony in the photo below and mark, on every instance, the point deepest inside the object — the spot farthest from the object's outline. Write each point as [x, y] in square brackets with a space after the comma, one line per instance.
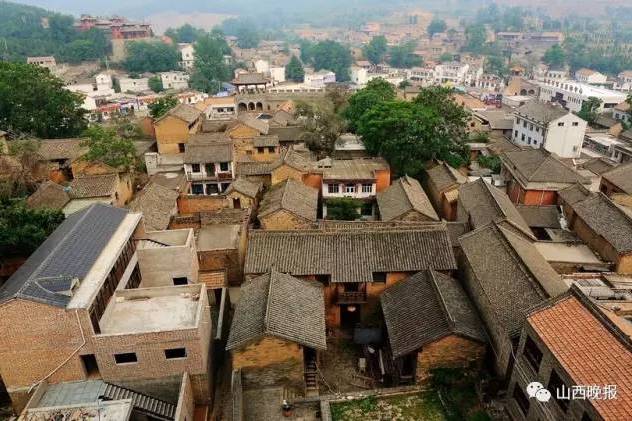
[356, 297]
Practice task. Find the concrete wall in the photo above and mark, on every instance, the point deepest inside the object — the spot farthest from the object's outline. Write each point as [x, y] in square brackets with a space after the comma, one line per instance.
[158, 266]
[270, 362]
[449, 352]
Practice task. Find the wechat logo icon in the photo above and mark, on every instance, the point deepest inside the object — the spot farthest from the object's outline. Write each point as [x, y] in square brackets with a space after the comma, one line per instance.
[537, 391]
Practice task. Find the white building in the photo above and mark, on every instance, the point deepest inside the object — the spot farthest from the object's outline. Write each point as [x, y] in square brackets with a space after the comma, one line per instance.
[622, 112]
[277, 74]
[572, 94]
[174, 80]
[359, 76]
[103, 81]
[262, 66]
[128, 84]
[590, 76]
[320, 79]
[187, 53]
[624, 81]
[544, 125]
[454, 73]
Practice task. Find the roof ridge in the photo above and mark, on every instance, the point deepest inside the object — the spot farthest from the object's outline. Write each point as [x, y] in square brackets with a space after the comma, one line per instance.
[267, 312]
[442, 303]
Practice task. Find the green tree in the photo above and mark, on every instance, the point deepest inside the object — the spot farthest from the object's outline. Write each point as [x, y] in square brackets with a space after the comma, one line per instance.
[246, 31]
[210, 70]
[496, 65]
[492, 162]
[35, 102]
[155, 84]
[22, 230]
[475, 37]
[343, 209]
[590, 109]
[294, 70]
[145, 56]
[376, 49]
[555, 57]
[105, 145]
[376, 91]
[160, 107]
[445, 57]
[436, 26]
[331, 55]
[408, 134]
[321, 127]
[185, 33]
[21, 180]
[307, 48]
[404, 57]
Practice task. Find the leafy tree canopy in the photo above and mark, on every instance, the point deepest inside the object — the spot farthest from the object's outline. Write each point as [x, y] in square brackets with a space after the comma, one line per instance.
[555, 57]
[160, 107]
[496, 65]
[185, 33]
[377, 91]
[210, 69]
[34, 102]
[144, 56]
[403, 56]
[322, 126]
[343, 209]
[155, 84]
[246, 31]
[436, 26]
[376, 49]
[294, 70]
[331, 55]
[105, 145]
[590, 109]
[475, 37]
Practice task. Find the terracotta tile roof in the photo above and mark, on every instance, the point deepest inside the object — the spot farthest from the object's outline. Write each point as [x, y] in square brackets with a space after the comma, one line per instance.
[402, 196]
[590, 353]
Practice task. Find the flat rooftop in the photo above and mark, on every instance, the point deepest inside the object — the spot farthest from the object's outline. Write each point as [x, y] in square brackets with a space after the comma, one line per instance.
[120, 410]
[169, 238]
[151, 310]
[218, 237]
[568, 253]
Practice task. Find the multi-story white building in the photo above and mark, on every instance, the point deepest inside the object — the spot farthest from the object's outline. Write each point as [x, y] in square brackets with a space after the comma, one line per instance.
[128, 84]
[572, 94]
[544, 125]
[174, 80]
[187, 53]
[590, 76]
[454, 72]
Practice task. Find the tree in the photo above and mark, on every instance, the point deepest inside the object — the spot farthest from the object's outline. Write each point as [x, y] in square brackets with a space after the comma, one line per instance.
[404, 84]
[436, 26]
[186, 33]
[376, 91]
[20, 180]
[404, 57]
[294, 70]
[106, 146]
[209, 68]
[555, 57]
[160, 107]
[445, 57]
[22, 230]
[408, 134]
[306, 47]
[496, 65]
[321, 127]
[590, 109]
[492, 162]
[34, 102]
[343, 209]
[376, 49]
[475, 37]
[144, 56]
[331, 55]
[244, 29]
[155, 84]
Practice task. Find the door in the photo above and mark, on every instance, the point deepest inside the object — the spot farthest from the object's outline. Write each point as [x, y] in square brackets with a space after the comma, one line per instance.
[236, 203]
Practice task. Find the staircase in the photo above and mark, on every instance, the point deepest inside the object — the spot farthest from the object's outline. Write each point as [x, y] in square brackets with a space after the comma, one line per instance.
[142, 403]
[311, 373]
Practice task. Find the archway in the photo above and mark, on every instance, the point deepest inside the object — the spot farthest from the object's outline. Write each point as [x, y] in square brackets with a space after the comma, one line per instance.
[242, 107]
[251, 106]
[259, 106]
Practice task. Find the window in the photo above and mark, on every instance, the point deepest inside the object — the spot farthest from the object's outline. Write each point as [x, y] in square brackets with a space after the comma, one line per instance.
[530, 126]
[350, 188]
[515, 133]
[379, 277]
[197, 188]
[195, 167]
[260, 150]
[560, 124]
[575, 123]
[210, 169]
[532, 353]
[524, 124]
[181, 147]
[270, 149]
[126, 358]
[521, 399]
[224, 166]
[529, 141]
[367, 188]
[522, 137]
[180, 280]
[174, 353]
[333, 188]
[556, 384]
[537, 129]
[212, 189]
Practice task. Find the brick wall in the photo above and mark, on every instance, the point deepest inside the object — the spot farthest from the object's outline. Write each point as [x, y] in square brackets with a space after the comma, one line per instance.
[186, 404]
[188, 204]
[283, 220]
[382, 179]
[285, 172]
[270, 362]
[169, 132]
[228, 260]
[449, 352]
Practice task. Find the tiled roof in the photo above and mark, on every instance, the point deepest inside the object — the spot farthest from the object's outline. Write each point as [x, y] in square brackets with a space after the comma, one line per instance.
[606, 219]
[354, 169]
[574, 194]
[253, 168]
[202, 152]
[184, 112]
[244, 186]
[598, 165]
[444, 176]
[250, 79]
[404, 195]
[279, 305]
[287, 133]
[292, 196]
[53, 149]
[537, 165]
[68, 253]
[48, 195]
[621, 177]
[426, 307]
[264, 141]
[588, 351]
[294, 159]
[350, 255]
[93, 186]
[157, 204]
[485, 203]
[540, 216]
[512, 275]
[543, 112]
[261, 126]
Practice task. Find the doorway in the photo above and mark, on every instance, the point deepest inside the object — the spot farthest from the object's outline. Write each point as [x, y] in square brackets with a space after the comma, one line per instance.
[90, 365]
[236, 203]
[349, 316]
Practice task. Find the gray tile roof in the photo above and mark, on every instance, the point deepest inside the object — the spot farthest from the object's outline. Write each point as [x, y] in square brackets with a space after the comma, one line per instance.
[621, 177]
[350, 255]
[250, 79]
[253, 168]
[54, 149]
[543, 112]
[404, 195]
[540, 216]
[265, 141]
[354, 169]
[292, 196]
[574, 194]
[444, 176]
[48, 195]
[246, 187]
[607, 219]
[279, 305]
[157, 204]
[598, 165]
[202, 152]
[287, 133]
[510, 273]
[68, 253]
[93, 186]
[537, 165]
[294, 159]
[485, 203]
[426, 307]
[261, 126]
[184, 112]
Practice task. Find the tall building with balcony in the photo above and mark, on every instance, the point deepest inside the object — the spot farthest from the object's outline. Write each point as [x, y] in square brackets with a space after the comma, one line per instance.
[208, 163]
